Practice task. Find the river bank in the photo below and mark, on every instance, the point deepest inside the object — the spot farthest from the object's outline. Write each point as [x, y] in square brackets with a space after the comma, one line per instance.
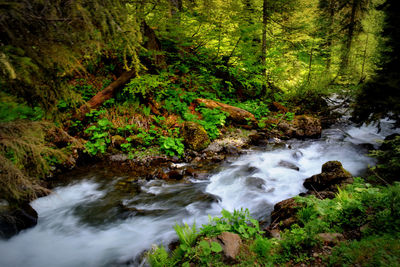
[103, 204]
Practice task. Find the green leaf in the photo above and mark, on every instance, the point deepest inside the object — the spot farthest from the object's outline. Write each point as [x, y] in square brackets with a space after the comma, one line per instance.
[216, 247]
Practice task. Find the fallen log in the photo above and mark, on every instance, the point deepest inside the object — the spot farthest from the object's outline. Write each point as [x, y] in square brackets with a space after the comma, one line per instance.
[237, 115]
[104, 95]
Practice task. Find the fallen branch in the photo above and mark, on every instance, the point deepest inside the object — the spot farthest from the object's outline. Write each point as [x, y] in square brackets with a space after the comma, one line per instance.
[104, 95]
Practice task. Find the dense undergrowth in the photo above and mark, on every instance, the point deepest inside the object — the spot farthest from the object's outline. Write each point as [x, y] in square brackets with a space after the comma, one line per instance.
[370, 213]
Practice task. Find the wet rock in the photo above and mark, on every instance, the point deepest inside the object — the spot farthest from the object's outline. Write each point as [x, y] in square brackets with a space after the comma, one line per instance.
[331, 238]
[297, 154]
[231, 150]
[332, 174]
[15, 220]
[209, 198]
[258, 139]
[59, 137]
[194, 135]
[175, 174]
[273, 233]
[117, 141]
[289, 165]
[323, 194]
[230, 243]
[284, 214]
[302, 126]
[255, 182]
[237, 115]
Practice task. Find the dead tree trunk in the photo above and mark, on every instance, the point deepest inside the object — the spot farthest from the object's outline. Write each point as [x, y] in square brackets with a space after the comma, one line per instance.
[105, 94]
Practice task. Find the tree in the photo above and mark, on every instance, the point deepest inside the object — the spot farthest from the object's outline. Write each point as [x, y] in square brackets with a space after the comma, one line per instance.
[43, 42]
[380, 97]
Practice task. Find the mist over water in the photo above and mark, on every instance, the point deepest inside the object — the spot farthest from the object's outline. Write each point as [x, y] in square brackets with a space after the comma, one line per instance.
[90, 223]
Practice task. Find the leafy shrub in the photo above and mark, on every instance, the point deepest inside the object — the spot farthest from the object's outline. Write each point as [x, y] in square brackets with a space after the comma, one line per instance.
[371, 251]
[172, 146]
[147, 84]
[239, 222]
[262, 247]
[99, 137]
[13, 111]
[187, 235]
[212, 119]
[388, 158]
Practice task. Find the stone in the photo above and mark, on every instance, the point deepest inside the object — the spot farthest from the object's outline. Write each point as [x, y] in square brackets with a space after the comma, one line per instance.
[194, 135]
[288, 165]
[175, 174]
[255, 182]
[284, 214]
[117, 141]
[302, 126]
[15, 220]
[230, 243]
[332, 174]
[331, 238]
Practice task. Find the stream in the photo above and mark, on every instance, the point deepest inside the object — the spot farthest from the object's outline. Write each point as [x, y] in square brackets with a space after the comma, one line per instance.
[98, 218]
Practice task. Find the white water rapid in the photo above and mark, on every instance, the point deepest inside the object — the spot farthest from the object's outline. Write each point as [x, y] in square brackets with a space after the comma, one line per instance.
[86, 223]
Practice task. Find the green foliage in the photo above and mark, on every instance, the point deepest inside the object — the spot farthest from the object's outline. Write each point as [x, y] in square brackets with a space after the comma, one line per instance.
[158, 257]
[12, 111]
[388, 158]
[239, 222]
[258, 108]
[99, 137]
[212, 119]
[147, 84]
[262, 247]
[371, 251]
[187, 235]
[171, 146]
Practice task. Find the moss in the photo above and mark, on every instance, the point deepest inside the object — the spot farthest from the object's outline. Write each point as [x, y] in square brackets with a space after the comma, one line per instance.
[195, 136]
[27, 156]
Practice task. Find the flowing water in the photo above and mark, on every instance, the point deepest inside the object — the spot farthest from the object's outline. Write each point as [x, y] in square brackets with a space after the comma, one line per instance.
[103, 219]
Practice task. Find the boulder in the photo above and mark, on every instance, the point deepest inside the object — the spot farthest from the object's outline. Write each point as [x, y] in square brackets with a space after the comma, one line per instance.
[288, 165]
[117, 141]
[194, 135]
[237, 115]
[15, 220]
[230, 244]
[331, 238]
[284, 214]
[255, 183]
[332, 175]
[302, 126]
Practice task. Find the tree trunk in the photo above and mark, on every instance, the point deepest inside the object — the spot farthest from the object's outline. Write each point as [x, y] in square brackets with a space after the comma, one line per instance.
[105, 94]
[362, 78]
[346, 54]
[310, 63]
[264, 38]
[330, 34]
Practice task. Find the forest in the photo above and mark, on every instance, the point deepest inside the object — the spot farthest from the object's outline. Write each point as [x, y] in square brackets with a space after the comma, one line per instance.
[149, 96]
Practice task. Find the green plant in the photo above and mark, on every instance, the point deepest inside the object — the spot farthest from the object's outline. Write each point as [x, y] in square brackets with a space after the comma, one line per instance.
[187, 235]
[14, 111]
[289, 116]
[99, 137]
[262, 247]
[372, 251]
[239, 221]
[212, 119]
[172, 146]
[158, 257]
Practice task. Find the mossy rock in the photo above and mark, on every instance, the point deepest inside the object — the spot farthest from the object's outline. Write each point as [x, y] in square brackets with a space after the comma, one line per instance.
[194, 136]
